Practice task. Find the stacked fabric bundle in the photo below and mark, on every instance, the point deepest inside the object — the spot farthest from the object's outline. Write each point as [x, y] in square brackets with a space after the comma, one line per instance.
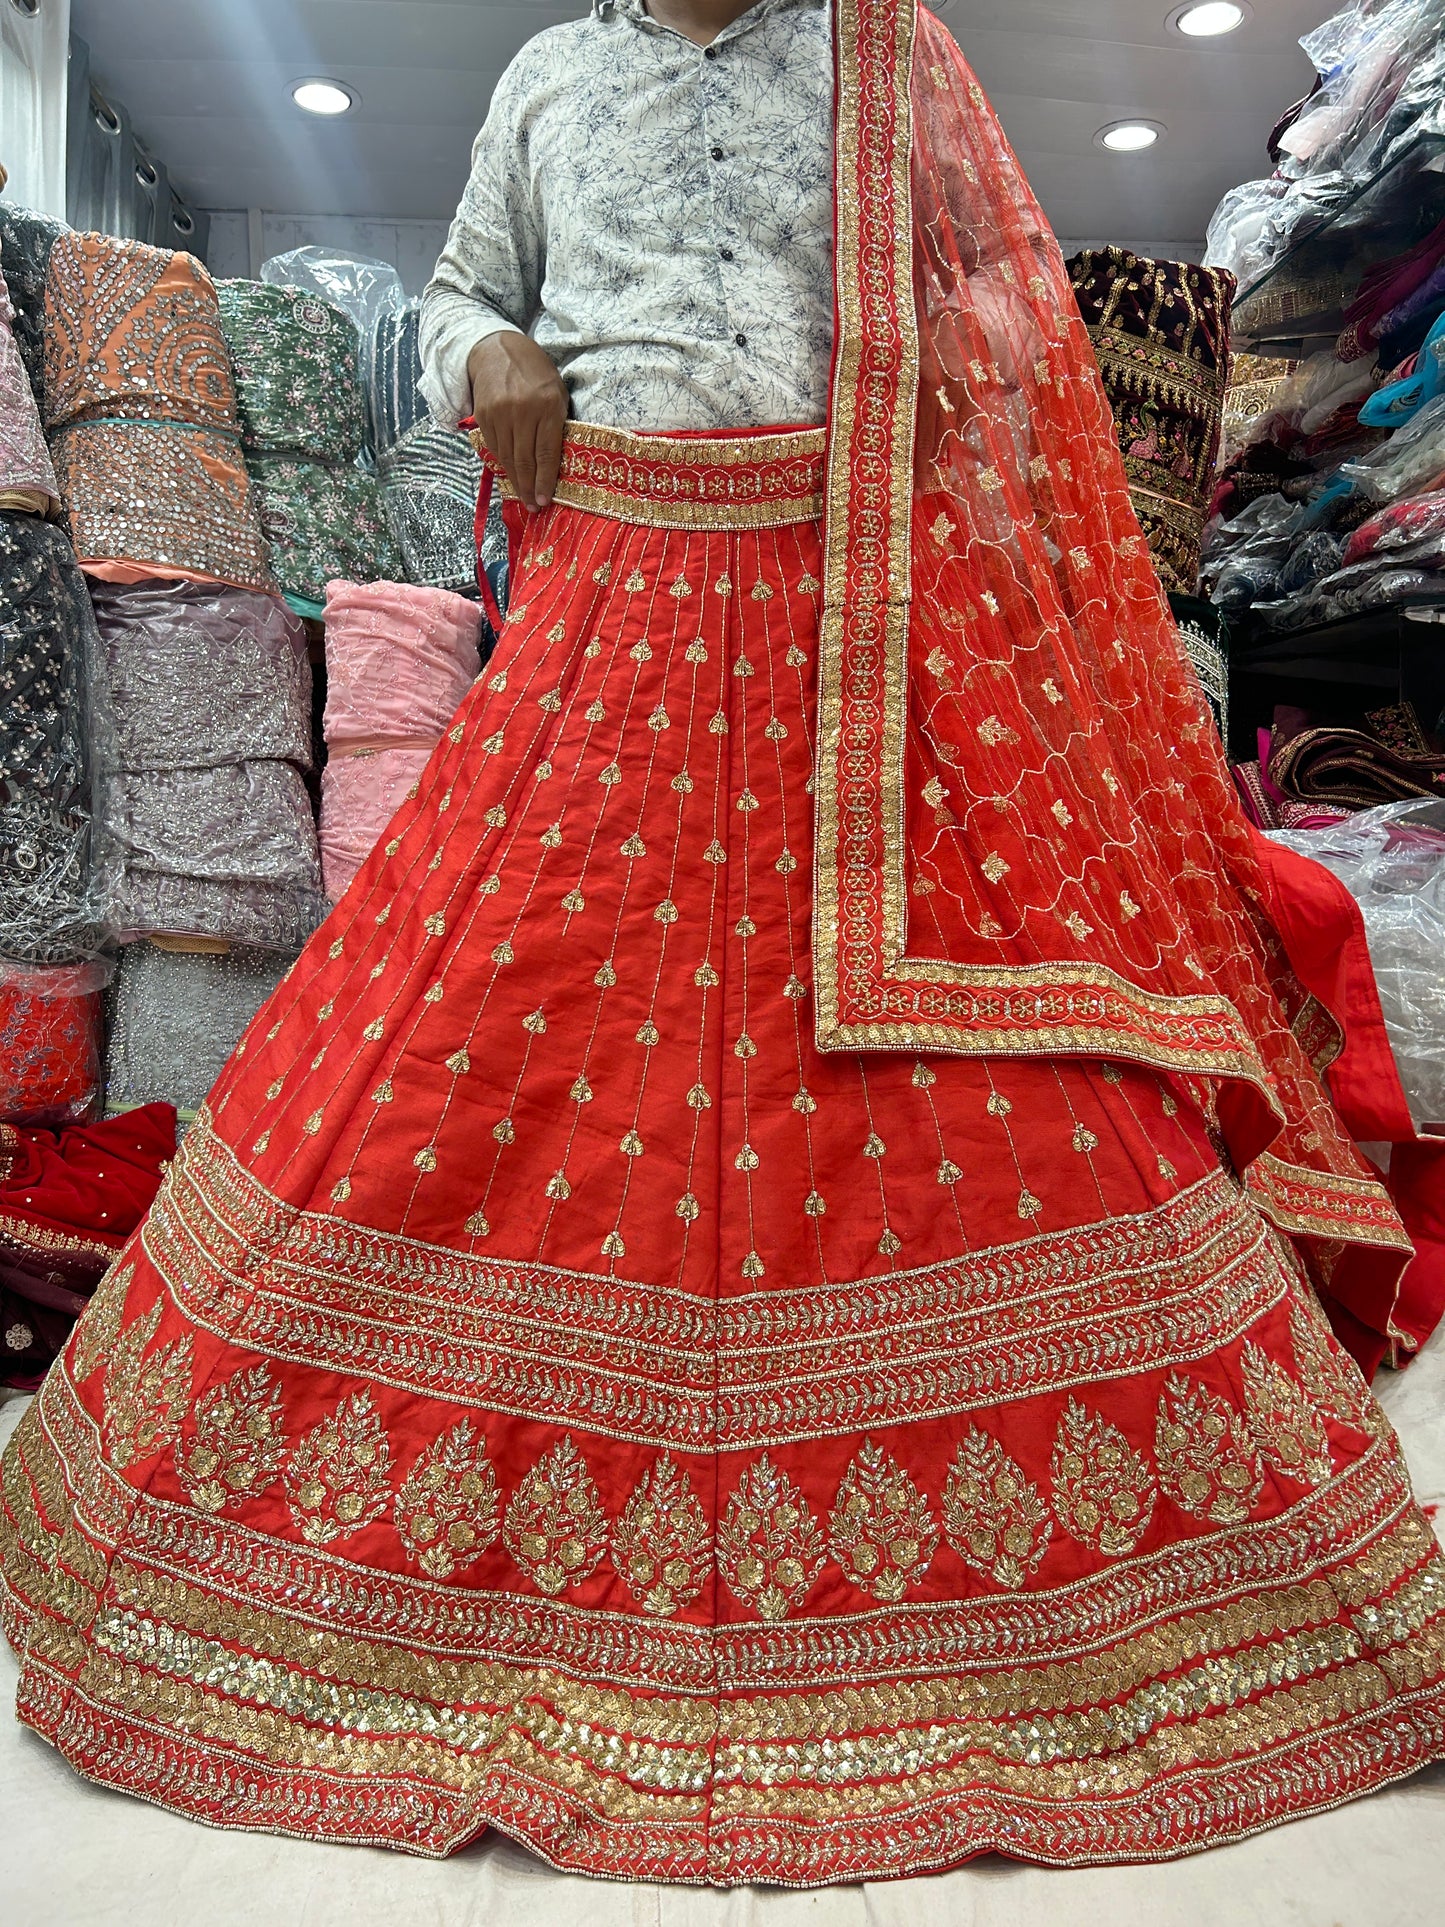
[50, 1029]
[399, 660]
[303, 423]
[68, 1203]
[175, 1019]
[211, 690]
[27, 475]
[431, 476]
[26, 241]
[1160, 330]
[142, 412]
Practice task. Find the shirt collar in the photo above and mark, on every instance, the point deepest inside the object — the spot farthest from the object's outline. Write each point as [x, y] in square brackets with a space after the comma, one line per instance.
[636, 10]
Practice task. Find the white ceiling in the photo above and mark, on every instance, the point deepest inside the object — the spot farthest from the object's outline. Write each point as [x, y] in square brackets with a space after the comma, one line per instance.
[207, 85]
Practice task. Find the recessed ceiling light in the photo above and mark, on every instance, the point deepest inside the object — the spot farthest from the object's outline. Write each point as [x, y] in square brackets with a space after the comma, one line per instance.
[326, 97]
[1129, 136]
[1209, 18]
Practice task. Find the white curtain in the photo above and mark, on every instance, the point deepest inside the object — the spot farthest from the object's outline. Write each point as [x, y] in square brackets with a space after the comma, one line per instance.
[34, 46]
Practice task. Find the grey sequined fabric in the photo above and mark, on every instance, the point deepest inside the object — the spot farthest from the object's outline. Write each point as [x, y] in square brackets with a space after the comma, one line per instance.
[175, 1020]
[431, 479]
[211, 691]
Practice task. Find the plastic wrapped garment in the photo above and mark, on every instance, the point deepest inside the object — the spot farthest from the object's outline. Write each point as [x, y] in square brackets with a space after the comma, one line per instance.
[50, 1032]
[133, 333]
[1410, 462]
[362, 287]
[168, 500]
[1243, 557]
[399, 660]
[1392, 861]
[175, 1019]
[322, 524]
[68, 1203]
[1160, 331]
[26, 240]
[211, 691]
[431, 479]
[54, 740]
[393, 396]
[27, 475]
[1375, 583]
[228, 853]
[201, 677]
[297, 362]
[1411, 531]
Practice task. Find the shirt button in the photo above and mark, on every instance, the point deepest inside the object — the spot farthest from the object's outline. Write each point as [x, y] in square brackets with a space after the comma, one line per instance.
[726, 253]
[741, 340]
[718, 154]
[709, 53]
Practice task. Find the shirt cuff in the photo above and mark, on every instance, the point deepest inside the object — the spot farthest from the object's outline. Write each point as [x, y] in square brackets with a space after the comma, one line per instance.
[445, 385]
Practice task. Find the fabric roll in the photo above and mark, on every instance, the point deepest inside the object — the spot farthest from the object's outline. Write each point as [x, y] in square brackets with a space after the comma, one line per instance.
[26, 241]
[399, 661]
[50, 1032]
[176, 1017]
[133, 333]
[431, 478]
[228, 853]
[394, 398]
[1160, 331]
[1388, 761]
[297, 371]
[27, 475]
[360, 793]
[68, 1203]
[202, 676]
[211, 691]
[51, 869]
[323, 523]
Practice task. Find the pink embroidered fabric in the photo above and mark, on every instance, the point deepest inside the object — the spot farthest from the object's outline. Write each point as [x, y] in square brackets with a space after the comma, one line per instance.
[399, 660]
[27, 478]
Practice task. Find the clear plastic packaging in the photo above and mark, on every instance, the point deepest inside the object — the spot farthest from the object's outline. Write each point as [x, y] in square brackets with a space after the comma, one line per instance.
[50, 1035]
[362, 287]
[175, 1019]
[1392, 861]
[297, 360]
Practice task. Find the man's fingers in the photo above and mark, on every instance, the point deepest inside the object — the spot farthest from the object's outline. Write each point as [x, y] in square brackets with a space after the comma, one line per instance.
[549, 453]
[524, 454]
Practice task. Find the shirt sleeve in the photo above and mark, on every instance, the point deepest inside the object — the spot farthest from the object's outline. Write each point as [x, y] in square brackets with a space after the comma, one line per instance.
[489, 278]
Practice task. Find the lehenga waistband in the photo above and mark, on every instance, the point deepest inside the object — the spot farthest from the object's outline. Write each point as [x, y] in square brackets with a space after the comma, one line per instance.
[746, 481]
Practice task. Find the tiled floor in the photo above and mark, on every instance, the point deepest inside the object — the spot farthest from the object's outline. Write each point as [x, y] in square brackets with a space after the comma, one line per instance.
[73, 1856]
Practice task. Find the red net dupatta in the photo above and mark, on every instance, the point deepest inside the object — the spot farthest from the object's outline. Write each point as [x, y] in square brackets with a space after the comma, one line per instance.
[1027, 838]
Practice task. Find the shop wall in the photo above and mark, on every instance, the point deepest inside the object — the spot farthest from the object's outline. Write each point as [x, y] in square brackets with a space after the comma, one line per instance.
[411, 247]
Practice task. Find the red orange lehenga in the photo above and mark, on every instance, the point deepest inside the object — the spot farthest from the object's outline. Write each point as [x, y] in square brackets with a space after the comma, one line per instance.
[553, 1392]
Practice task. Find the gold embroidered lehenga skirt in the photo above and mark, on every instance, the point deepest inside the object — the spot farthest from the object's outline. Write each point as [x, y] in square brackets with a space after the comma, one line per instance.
[551, 1394]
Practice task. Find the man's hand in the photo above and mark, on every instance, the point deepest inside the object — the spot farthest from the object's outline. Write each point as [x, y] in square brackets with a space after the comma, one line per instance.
[520, 403]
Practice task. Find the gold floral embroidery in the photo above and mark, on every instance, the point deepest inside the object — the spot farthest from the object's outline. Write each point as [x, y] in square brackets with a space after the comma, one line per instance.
[556, 1529]
[770, 1549]
[1290, 1436]
[1207, 1462]
[145, 1398]
[238, 1444]
[994, 1518]
[1330, 1375]
[661, 1544]
[338, 1476]
[446, 1510]
[100, 1322]
[882, 1532]
[1104, 1493]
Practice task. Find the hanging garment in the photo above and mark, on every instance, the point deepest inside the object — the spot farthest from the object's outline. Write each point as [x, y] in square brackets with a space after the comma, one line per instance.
[142, 410]
[396, 407]
[297, 371]
[1161, 332]
[399, 660]
[175, 1019]
[211, 691]
[50, 1032]
[53, 868]
[635, 1352]
[68, 1202]
[27, 478]
[26, 239]
[323, 524]
[431, 479]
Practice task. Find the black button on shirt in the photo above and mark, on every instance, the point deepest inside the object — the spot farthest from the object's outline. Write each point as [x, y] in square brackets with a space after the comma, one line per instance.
[709, 53]
[718, 154]
[741, 340]
[726, 253]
